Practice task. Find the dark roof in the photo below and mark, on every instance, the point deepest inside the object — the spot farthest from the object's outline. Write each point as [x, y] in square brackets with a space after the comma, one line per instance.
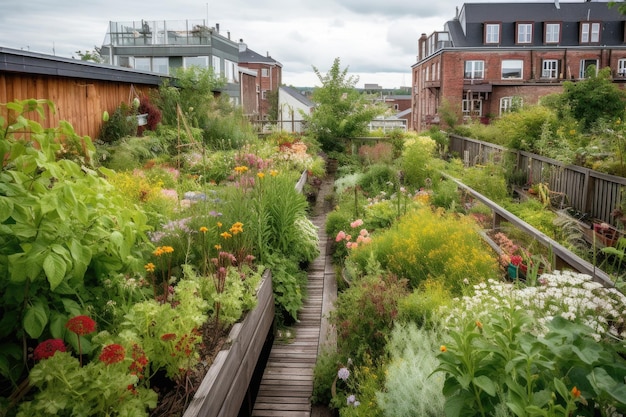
[467, 30]
[249, 56]
[15, 60]
[298, 96]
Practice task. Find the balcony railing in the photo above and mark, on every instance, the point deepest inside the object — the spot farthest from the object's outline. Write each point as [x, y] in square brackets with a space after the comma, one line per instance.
[159, 32]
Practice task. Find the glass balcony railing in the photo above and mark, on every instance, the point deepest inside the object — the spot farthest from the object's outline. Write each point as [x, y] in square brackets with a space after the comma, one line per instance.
[159, 32]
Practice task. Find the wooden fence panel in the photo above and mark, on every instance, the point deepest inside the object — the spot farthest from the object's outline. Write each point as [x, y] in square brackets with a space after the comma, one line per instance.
[80, 102]
[585, 190]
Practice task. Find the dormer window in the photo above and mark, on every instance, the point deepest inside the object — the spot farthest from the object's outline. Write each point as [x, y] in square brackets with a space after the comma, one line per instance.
[589, 32]
[524, 33]
[552, 33]
[492, 33]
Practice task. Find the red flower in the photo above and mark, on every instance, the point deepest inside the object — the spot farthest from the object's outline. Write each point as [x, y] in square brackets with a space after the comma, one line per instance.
[112, 354]
[168, 336]
[81, 325]
[48, 348]
[516, 260]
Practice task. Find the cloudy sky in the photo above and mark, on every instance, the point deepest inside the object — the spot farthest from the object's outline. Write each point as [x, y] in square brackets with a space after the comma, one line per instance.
[375, 39]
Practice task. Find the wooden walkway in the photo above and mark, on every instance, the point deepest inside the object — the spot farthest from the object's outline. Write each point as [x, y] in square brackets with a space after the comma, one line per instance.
[287, 382]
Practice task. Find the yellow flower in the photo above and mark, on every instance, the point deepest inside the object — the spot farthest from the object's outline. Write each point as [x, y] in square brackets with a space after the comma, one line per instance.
[226, 235]
[273, 172]
[204, 229]
[168, 249]
[158, 251]
[260, 175]
[218, 247]
[443, 348]
[219, 224]
[241, 169]
[149, 267]
[236, 228]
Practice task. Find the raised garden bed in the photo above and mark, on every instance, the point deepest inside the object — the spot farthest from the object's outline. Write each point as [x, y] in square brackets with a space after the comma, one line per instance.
[224, 388]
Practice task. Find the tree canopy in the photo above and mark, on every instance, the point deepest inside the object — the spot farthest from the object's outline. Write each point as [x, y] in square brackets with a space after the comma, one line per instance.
[341, 110]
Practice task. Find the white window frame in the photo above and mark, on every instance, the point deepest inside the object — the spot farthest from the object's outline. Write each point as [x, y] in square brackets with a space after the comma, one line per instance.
[513, 64]
[264, 95]
[524, 33]
[196, 61]
[589, 32]
[216, 64]
[472, 106]
[553, 32]
[475, 69]
[232, 71]
[550, 68]
[492, 33]
[506, 104]
[265, 72]
[621, 67]
[584, 63]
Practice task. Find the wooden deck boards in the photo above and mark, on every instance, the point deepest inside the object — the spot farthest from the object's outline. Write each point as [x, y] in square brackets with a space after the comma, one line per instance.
[287, 382]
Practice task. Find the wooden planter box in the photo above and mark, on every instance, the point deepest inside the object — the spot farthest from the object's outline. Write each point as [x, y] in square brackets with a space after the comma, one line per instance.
[224, 387]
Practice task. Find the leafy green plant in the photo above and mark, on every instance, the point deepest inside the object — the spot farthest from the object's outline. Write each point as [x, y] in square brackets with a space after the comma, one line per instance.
[377, 178]
[62, 227]
[122, 123]
[416, 161]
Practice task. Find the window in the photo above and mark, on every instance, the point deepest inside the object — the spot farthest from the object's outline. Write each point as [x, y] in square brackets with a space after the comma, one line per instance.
[160, 65]
[524, 33]
[621, 67]
[589, 32]
[265, 72]
[472, 106]
[143, 64]
[550, 68]
[512, 68]
[492, 33]
[216, 63]
[196, 61]
[553, 32]
[474, 70]
[264, 95]
[508, 104]
[232, 72]
[584, 67]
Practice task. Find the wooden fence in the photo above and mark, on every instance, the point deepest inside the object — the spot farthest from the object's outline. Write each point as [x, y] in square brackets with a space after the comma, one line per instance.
[583, 189]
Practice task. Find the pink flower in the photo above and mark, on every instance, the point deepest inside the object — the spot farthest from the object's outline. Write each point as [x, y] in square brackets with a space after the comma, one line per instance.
[364, 232]
[356, 223]
[340, 236]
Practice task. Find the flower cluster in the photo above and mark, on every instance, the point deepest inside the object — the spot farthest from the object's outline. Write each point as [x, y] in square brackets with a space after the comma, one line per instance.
[236, 228]
[163, 250]
[48, 348]
[113, 353]
[140, 361]
[362, 238]
[81, 325]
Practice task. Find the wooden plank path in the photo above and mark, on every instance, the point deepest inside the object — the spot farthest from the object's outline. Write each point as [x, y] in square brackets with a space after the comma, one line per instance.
[287, 383]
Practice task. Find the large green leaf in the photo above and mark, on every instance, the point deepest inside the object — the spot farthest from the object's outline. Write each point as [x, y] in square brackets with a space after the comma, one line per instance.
[6, 208]
[55, 267]
[35, 319]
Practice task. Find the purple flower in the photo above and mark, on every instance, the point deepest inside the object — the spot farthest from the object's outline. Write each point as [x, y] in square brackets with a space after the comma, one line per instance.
[351, 399]
[343, 374]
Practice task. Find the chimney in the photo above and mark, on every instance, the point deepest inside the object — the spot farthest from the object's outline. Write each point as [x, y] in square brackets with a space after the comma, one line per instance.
[228, 34]
[217, 27]
[242, 46]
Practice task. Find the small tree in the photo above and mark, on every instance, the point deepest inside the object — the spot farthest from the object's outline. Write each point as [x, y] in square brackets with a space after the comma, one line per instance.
[91, 56]
[595, 98]
[341, 111]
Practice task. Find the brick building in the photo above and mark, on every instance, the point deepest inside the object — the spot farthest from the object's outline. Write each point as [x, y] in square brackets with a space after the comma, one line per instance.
[493, 56]
[269, 75]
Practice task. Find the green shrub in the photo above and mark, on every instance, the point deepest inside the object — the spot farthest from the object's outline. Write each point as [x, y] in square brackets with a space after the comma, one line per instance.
[416, 161]
[380, 153]
[122, 123]
[422, 306]
[379, 178]
[446, 195]
[411, 388]
[364, 315]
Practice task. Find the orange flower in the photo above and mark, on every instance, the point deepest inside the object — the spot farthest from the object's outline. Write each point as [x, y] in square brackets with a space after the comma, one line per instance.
[219, 224]
[273, 172]
[260, 175]
[443, 348]
[149, 267]
[479, 324]
[575, 392]
[218, 247]
[226, 235]
[204, 229]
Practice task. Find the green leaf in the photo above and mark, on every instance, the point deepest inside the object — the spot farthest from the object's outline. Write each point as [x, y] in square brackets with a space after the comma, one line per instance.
[57, 324]
[35, 319]
[55, 268]
[486, 384]
[6, 208]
